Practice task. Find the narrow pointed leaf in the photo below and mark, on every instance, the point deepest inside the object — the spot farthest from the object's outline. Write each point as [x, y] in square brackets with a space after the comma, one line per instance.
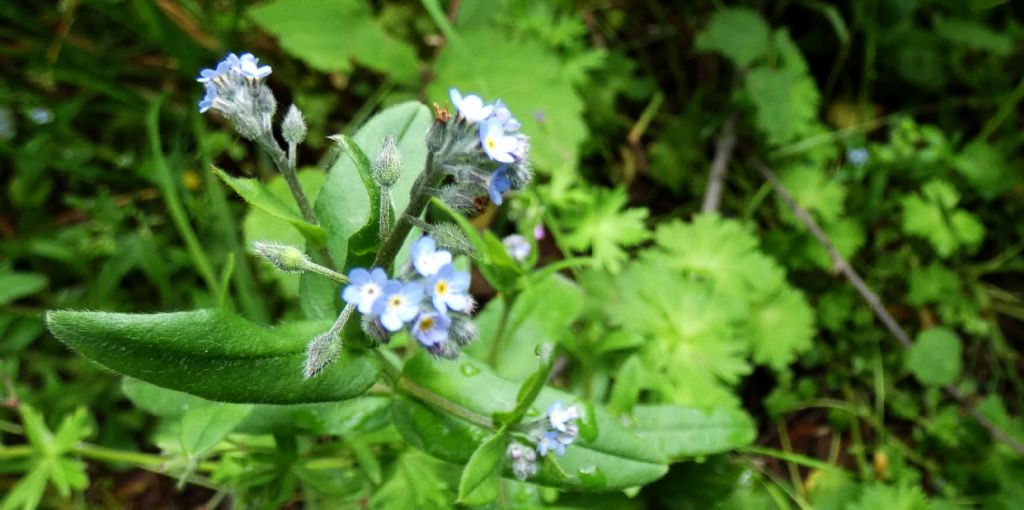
[257, 195]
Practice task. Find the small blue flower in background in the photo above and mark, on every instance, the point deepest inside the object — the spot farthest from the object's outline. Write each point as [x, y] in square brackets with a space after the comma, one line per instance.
[431, 330]
[427, 259]
[553, 441]
[398, 304]
[449, 289]
[249, 66]
[562, 418]
[365, 288]
[499, 184]
[498, 145]
[517, 247]
[858, 156]
[471, 106]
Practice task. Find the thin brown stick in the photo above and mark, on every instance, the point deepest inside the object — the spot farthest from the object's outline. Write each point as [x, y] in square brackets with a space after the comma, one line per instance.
[720, 166]
[875, 303]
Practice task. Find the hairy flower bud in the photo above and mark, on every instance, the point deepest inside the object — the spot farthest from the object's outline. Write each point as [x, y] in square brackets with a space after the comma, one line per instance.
[463, 331]
[375, 330]
[449, 235]
[458, 198]
[524, 460]
[387, 166]
[282, 256]
[293, 127]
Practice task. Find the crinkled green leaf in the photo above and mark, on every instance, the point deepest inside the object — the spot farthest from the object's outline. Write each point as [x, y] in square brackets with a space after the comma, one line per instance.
[330, 35]
[814, 191]
[614, 459]
[416, 481]
[785, 101]
[932, 284]
[779, 328]
[606, 226]
[933, 215]
[213, 354]
[739, 33]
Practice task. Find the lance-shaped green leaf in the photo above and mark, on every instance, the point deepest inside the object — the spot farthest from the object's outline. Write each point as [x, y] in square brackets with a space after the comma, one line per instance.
[344, 206]
[680, 431]
[213, 354]
[258, 196]
[479, 482]
[363, 244]
[447, 414]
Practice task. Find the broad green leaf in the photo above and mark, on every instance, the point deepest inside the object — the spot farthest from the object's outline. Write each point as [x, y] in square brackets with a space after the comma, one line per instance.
[335, 418]
[14, 286]
[935, 357]
[739, 33]
[933, 284]
[543, 98]
[985, 167]
[679, 431]
[329, 35]
[614, 459]
[213, 354]
[479, 482]
[542, 313]
[203, 427]
[785, 102]
[343, 207]
[257, 195]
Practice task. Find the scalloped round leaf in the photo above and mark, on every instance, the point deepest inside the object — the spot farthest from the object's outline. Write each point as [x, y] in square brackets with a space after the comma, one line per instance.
[213, 354]
[935, 357]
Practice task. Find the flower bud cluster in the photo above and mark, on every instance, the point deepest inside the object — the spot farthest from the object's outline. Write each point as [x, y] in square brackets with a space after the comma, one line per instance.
[432, 300]
[483, 150]
[236, 89]
[524, 460]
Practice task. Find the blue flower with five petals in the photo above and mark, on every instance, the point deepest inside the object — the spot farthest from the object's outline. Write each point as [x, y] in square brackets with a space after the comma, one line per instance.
[398, 304]
[364, 288]
[449, 289]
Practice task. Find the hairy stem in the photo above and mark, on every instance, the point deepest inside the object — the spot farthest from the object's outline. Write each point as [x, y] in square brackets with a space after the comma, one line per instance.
[286, 164]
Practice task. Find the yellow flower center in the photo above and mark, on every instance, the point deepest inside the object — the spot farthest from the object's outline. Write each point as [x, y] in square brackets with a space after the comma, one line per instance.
[426, 323]
[491, 143]
[396, 301]
[441, 287]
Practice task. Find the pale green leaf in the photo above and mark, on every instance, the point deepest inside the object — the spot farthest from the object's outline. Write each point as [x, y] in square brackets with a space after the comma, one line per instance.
[935, 357]
[739, 33]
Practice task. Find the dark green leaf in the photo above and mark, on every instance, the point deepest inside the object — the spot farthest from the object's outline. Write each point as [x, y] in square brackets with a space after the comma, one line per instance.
[213, 354]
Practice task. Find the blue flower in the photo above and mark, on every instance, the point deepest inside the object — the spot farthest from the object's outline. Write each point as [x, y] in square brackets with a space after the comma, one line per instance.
[858, 157]
[498, 145]
[499, 184]
[398, 304]
[471, 107]
[431, 329]
[230, 62]
[449, 289]
[563, 419]
[427, 259]
[365, 288]
[249, 66]
[504, 115]
[211, 96]
[554, 441]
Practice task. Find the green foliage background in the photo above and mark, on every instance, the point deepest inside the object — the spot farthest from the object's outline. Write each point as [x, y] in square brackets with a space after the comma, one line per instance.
[726, 344]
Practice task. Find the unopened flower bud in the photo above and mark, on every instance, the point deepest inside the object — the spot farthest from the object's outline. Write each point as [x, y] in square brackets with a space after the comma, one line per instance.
[450, 236]
[463, 330]
[519, 174]
[293, 127]
[387, 166]
[517, 247]
[458, 198]
[375, 330]
[284, 257]
[524, 460]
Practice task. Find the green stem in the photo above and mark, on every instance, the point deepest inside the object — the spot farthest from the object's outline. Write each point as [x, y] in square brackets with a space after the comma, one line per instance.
[313, 267]
[499, 335]
[438, 402]
[174, 207]
[419, 196]
[286, 164]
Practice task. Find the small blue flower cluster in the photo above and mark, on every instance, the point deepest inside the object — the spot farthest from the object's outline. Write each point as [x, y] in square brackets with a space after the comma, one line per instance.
[499, 136]
[227, 71]
[427, 301]
[559, 431]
